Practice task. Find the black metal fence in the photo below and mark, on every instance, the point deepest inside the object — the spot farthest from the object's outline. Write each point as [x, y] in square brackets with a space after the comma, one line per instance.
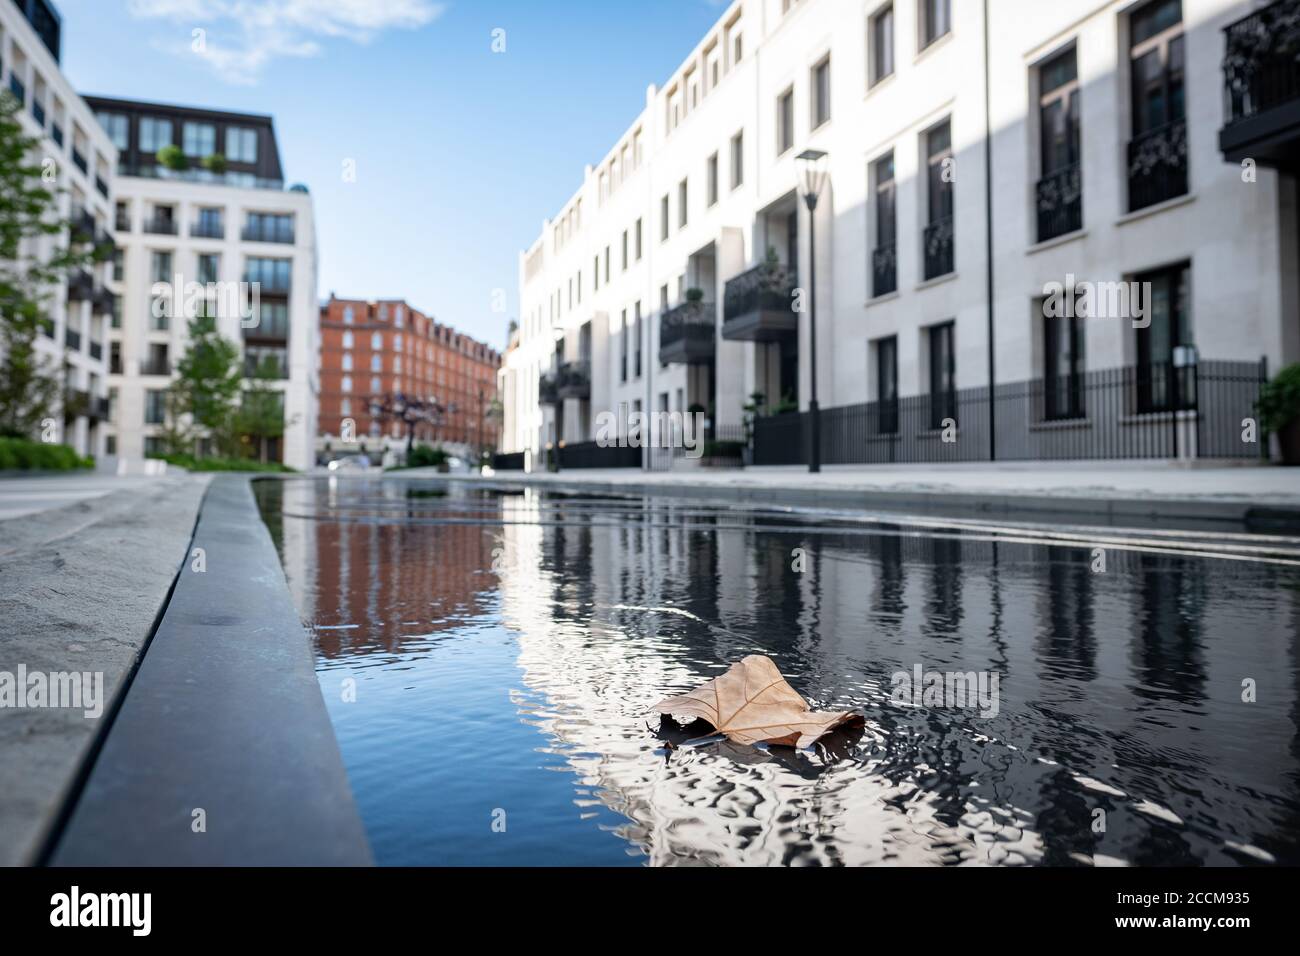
[590, 454]
[508, 461]
[1157, 412]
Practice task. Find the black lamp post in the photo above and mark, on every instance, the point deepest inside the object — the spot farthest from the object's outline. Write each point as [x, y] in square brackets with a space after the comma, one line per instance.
[812, 171]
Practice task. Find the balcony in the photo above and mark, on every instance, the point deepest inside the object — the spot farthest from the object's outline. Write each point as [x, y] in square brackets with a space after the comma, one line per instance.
[122, 221]
[81, 286]
[193, 175]
[103, 302]
[160, 226]
[155, 366]
[96, 350]
[1261, 74]
[267, 232]
[688, 333]
[884, 269]
[1059, 202]
[573, 380]
[99, 409]
[547, 392]
[758, 305]
[208, 230]
[81, 225]
[938, 248]
[72, 339]
[1157, 165]
[76, 403]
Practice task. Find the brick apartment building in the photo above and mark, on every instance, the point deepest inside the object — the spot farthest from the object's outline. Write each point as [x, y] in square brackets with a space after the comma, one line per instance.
[370, 350]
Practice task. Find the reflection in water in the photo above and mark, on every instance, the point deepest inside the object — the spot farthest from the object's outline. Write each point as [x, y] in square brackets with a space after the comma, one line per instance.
[490, 656]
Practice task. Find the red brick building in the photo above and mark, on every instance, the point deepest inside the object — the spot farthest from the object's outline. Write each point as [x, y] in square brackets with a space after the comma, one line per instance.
[370, 350]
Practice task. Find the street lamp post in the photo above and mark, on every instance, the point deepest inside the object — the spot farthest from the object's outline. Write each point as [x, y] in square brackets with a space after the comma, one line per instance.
[812, 168]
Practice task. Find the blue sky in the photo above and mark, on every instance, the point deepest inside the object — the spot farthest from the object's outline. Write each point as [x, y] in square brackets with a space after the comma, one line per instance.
[460, 152]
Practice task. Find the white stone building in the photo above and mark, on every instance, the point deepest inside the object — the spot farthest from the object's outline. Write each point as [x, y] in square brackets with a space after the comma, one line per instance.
[82, 158]
[1117, 132]
[235, 223]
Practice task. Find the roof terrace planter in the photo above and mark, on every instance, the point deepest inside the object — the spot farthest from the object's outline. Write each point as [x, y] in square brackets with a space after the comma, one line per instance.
[688, 334]
[759, 305]
[1261, 74]
[574, 380]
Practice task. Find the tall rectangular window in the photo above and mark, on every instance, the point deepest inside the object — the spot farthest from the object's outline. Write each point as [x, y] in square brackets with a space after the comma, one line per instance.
[622, 347]
[943, 374]
[1157, 157]
[712, 179]
[887, 385]
[737, 159]
[241, 144]
[636, 313]
[821, 93]
[637, 242]
[681, 204]
[624, 250]
[936, 20]
[1163, 378]
[785, 121]
[155, 406]
[884, 257]
[117, 126]
[882, 45]
[1059, 195]
[198, 139]
[663, 218]
[1062, 366]
[939, 202]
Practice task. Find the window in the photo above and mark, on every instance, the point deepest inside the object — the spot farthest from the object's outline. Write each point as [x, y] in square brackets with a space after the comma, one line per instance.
[160, 266]
[154, 134]
[198, 139]
[939, 228]
[1164, 382]
[681, 204]
[346, 384]
[155, 406]
[241, 144]
[347, 318]
[712, 184]
[884, 258]
[622, 347]
[347, 361]
[737, 159]
[935, 20]
[636, 324]
[785, 121]
[821, 93]
[347, 338]
[882, 45]
[1158, 152]
[943, 378]
[638, 240]
[399, 316]
[209, 268]
[624, 250]
[1059, 197]
[269, 227]
[607, 265]
[271, 274]
[887, 385]
[1062, 365]
[345, 406]
[737, 48]
[376, 385]
[663, 218]
[117, 127]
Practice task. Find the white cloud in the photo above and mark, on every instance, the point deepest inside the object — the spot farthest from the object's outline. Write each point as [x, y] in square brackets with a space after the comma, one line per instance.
[242, 36]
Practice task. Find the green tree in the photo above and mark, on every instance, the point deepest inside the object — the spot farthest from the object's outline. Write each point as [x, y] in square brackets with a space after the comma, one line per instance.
[30, 386]
[261, 408]
[207, 384]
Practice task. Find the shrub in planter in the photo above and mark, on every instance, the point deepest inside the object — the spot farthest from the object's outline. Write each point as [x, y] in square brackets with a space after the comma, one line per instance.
[1279, 411]
[22, 454]
[171, 157]
[216, 163]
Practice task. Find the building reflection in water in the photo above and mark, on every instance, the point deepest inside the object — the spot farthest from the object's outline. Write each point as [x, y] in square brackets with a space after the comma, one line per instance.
[1119, 690]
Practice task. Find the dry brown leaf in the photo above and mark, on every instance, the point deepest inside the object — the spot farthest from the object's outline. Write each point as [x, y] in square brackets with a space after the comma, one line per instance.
[751, 703]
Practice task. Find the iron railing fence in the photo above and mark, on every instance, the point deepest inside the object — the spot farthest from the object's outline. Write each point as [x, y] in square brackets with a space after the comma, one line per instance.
[1160, 412]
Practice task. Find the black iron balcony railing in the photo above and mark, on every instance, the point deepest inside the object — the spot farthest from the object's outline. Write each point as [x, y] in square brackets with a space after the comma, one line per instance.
[122, 221]
[1261, 63]
[269, 284]
[255, 364]
[938, 241]
[268, 232]
[208, 230]
[1157, 165]
[160, 226]
[72, 339]
[687, 333]
[103, 302]
[155, 366]
[81, 286]
[758, 304]
[884, 269]
[114, 363]
[269, 326]
[100, 408]
[81, 224]
[573, 379]
[547, 391]
[1059, 199]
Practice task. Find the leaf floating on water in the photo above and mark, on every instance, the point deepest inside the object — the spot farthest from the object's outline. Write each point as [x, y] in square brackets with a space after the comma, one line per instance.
[752, 703]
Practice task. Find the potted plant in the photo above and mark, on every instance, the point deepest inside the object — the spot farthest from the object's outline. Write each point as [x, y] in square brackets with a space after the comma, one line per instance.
[1279, 412]
[694, 294]
[171, 157]
[215, 164]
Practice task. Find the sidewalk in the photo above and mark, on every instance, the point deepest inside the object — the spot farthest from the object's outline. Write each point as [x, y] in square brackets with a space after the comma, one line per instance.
[1262, 496]
[23, 493]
